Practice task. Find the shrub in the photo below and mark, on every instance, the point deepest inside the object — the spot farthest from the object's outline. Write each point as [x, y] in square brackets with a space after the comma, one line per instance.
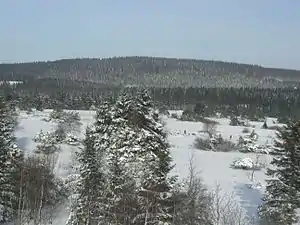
[174, 115]
[202, 144]
[246, 164]
[29, 111]
[253, 135]
[284, 120]
[164, 111]
[188, 115]
[67, 121]
[246, 130]
[214, 144]
[235, 121]
[225, 146]
[56, 114]
[60, 133]
[265, 125]
[46, 148]
[208, 121]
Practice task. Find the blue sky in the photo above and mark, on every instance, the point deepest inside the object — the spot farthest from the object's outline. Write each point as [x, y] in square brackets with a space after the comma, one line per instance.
[265, 32]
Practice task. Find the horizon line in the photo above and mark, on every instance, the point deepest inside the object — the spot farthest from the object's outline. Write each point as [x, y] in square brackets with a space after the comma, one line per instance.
[11, 62]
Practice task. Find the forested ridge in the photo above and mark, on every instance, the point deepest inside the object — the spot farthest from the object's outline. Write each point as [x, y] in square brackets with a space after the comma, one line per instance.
[174, 83]
[154, 72]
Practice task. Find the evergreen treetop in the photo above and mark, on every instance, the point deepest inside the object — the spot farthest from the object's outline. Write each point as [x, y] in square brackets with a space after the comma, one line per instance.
[282, 196]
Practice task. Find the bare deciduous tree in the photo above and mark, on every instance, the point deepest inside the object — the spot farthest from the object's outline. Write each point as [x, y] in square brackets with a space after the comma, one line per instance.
[38, 190]
[192, 204]
[225, 210]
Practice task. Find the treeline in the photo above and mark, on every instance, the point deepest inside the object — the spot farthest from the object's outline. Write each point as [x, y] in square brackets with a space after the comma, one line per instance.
[153, 71]
[248, 102]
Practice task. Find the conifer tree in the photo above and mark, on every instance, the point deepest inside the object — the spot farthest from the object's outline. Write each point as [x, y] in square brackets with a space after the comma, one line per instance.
[137, 162]
[282, 197]
[122, 190]
[156, 186]
[88, 208]
[10, 164]
[120, 155]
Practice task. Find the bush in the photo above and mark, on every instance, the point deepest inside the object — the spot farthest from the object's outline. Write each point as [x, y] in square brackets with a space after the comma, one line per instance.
[164, 111]
[225, 146]
[57, 114]
[67, 121]
[44, 137]
[174, 115]
[29, 111]
[284, 120]
[188, 115]
[203, 144]
[46, 148]
[246, 130]
[72, 116]
[60, 133]
[265, 125]
[214, 144]
[246, 164]
[39, 107]
[208, 121]
[253, 135]
[235, 121]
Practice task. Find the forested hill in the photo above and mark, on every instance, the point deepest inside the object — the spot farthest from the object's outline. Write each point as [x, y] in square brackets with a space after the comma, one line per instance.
[153, 71]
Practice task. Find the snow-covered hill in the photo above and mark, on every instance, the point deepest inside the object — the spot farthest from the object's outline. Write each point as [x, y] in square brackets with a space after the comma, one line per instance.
[214, 166]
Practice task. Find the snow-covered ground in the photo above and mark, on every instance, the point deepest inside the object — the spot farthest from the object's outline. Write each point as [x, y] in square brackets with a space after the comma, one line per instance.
[214, 167]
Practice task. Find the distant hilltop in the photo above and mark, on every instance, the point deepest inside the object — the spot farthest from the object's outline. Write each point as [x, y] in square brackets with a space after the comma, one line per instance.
[153, 71]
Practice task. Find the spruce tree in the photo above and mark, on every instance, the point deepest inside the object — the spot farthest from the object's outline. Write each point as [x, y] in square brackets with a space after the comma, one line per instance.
[10, 164]
[121, 181]
[156, 186]
[282, 198]
[120, 148]
[88, 209]
[137, 162]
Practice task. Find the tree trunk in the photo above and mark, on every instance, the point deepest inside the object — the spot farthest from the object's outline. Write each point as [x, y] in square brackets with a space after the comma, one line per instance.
[41, 204]
[19, 214]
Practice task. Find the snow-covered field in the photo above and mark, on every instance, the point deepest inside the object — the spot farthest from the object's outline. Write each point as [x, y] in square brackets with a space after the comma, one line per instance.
[214, 167]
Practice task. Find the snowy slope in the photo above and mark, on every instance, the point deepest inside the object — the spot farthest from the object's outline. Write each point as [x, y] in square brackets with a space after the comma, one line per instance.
[214, 166]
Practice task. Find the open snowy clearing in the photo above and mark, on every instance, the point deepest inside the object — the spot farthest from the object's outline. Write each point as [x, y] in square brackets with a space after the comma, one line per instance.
[214, 167]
